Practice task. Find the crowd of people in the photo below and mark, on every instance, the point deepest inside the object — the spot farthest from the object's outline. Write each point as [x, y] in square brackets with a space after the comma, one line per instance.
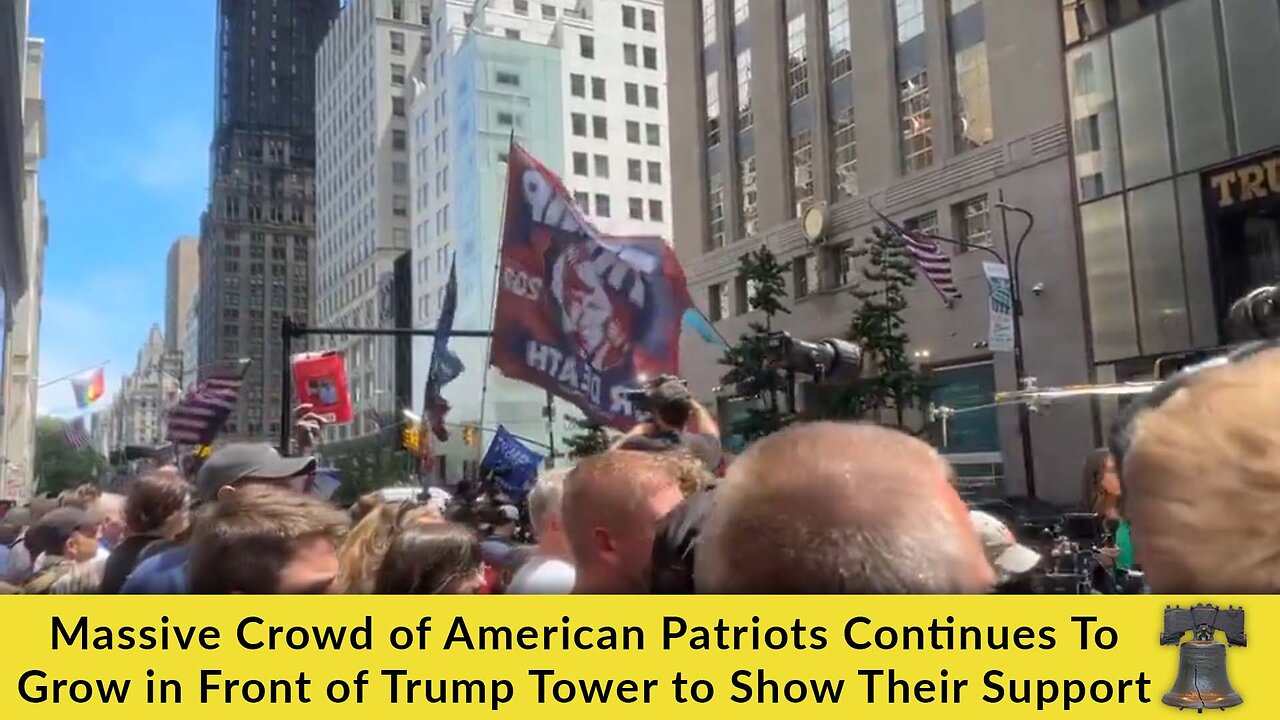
[1186, 486]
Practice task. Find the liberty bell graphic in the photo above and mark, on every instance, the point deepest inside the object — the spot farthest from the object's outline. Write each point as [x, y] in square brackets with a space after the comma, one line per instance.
[1202, 661]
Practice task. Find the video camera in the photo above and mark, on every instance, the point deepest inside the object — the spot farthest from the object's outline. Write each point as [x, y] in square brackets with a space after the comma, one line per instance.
[661, 393]
[828, 360]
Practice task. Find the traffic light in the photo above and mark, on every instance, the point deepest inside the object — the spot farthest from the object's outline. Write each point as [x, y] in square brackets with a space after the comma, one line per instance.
[469, 435]
[411, 439]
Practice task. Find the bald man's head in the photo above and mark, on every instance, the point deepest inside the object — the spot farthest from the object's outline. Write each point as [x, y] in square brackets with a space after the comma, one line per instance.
[1202, 482]
[834, 508]
[612, 504]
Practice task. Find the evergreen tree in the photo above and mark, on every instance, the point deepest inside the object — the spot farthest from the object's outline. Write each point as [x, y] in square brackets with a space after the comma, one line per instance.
[591, 439]
[890, 383]
[766, 291]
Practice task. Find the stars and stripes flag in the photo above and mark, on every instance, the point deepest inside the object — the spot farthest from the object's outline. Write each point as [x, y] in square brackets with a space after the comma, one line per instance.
[198, 417]
[77, 434]
[929, 255]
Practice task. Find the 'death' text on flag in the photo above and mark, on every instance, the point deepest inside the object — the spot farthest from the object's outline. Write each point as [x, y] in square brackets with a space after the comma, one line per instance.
[583, 315]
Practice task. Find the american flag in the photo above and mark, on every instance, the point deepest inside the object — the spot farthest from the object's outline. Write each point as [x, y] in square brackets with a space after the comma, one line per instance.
[929, 255]
[77, 435]
[198, 417]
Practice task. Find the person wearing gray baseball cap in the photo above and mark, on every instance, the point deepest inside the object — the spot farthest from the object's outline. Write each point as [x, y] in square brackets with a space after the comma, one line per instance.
[227, 469]
[242, 463]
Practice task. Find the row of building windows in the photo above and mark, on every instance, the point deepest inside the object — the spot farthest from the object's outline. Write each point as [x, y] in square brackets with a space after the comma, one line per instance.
[598, 166]
[636, 207]
[970, 102]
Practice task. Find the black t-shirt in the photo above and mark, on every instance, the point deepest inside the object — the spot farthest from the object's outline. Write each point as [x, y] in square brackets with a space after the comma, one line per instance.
[123, 559]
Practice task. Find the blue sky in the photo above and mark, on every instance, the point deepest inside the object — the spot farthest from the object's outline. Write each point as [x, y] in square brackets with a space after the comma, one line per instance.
[129, 98]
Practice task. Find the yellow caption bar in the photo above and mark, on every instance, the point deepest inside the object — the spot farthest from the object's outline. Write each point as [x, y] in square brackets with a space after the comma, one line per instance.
[485, 657]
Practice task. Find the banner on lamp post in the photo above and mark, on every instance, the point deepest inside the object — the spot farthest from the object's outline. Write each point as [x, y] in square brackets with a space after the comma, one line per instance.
[1000, 334]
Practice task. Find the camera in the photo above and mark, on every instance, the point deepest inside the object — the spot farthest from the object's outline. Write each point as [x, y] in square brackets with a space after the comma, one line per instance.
[1254, 316]
[660, 391]
[829, 360]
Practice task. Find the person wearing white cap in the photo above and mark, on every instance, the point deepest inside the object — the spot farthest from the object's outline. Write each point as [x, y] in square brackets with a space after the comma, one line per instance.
[1007, 556]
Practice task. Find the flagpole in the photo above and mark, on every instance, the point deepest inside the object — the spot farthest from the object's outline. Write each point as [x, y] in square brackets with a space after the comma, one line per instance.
[68, 376]
[497, 266]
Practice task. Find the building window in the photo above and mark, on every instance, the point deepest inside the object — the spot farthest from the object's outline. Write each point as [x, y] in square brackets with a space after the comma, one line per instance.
[397, 74]
[635, 171]
[750, 198]
[548, 12]
[602, 205]
[655, 211]
[632, 93]
[713, 108]
[651, 96]
[400, 173]
[629, 56]
[509, 79]
[651, 57]
[648, 21]
[400, 205]
[926, 224]
[797, 60]
[717, 301]
[597, 88]
[715, 212]
[917, 122]
[586, 46]
[633, 132]
[580, 164]
[970, 75]
[599, 127]
[741, 11]
[709, 22]
[397, 43]
[628, 17]
[653, 134]
[655, 172]
[579, 123]
[397, 9]
[802, 170]
[584, 201]
[844, 143]
[973, 220]
[397, 106]
[743, 76]
[601, 166]
[399, 141]
[913, 86]
[578, 85]
[512, 34]
[839, 48]
[804, 272]
[635, 208]
[522, 7]
[506, 119]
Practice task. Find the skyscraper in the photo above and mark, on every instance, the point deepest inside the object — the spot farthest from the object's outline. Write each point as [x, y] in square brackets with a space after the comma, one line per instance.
[183, 277]
[792, 123]
[256, 234]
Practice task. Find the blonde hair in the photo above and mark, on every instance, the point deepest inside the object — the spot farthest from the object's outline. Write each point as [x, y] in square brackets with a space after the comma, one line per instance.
[366, 545]
[1202, 482]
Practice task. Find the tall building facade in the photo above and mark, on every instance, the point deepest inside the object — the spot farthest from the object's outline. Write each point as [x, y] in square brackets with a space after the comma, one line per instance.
[13, 53]
[930, 111]
[191, 343]
[582, 84]
[256, 237]
[182, 278]
[363, 74]
[22, 330]
[137, 412]
[1176, 116]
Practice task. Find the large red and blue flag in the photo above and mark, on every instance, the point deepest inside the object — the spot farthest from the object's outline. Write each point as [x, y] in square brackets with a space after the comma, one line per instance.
[583, 315]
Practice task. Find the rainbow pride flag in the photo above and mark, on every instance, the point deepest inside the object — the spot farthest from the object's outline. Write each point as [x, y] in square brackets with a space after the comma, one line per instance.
[89, 388]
